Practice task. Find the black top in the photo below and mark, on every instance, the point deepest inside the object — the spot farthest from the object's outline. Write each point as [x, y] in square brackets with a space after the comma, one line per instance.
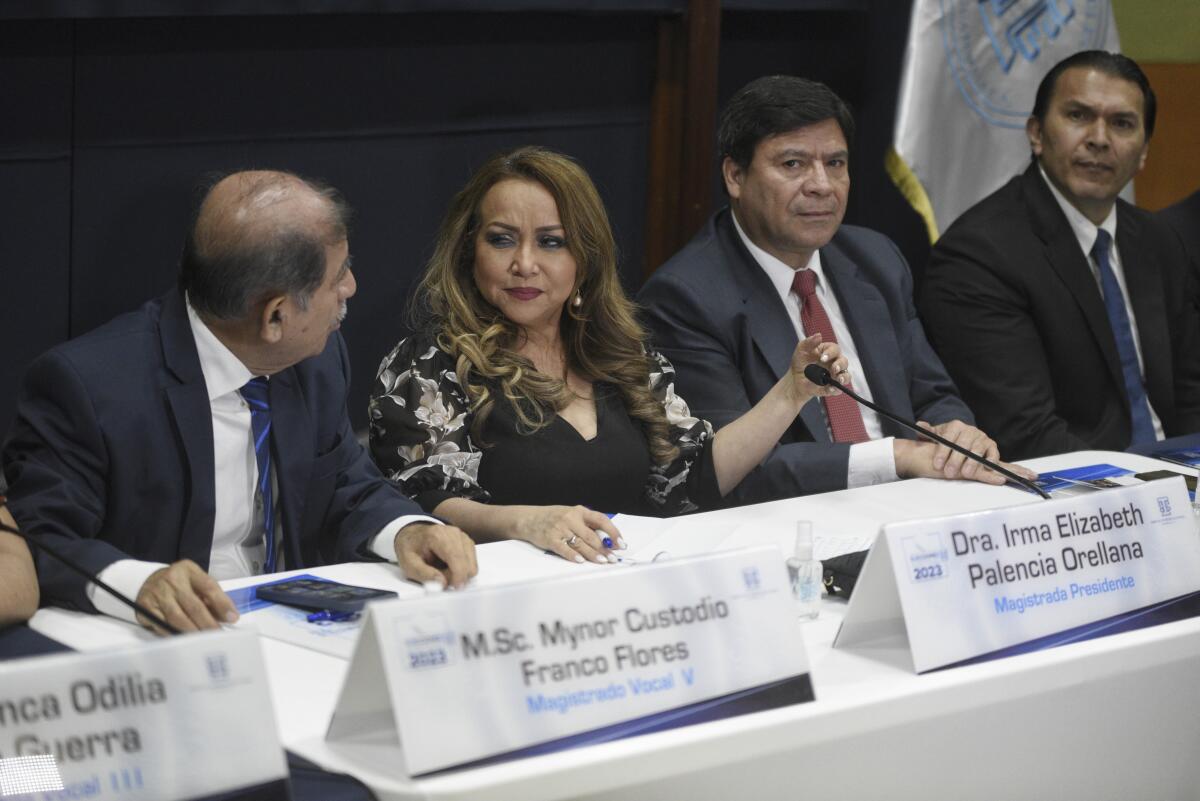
[421, 439]
[556, 465]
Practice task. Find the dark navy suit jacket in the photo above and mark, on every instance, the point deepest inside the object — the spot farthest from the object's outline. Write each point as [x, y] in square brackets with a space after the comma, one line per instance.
[1012, 305]
[1184, 218]
[715, 314]
[111, 454]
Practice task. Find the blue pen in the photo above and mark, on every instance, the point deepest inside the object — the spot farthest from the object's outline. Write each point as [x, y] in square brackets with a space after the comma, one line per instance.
[326, 616]
[608, 541]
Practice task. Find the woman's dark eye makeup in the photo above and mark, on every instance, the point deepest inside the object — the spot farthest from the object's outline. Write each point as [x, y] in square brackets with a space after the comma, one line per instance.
[505, 239]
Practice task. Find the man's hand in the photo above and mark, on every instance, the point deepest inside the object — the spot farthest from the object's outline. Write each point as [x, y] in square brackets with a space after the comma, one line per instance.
[951, 462]
[811, 350]
[186, 597]
[916, 460]
[432, 552]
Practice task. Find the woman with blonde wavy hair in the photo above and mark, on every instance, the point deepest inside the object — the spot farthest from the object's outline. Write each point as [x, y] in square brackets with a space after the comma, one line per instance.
[528, 403]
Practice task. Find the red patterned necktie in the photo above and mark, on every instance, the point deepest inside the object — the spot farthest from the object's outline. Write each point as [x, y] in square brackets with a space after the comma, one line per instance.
[845, 419]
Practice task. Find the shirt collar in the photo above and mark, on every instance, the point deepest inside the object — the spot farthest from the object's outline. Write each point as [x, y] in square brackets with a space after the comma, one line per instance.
[781, 274]
[223, 372]
[1084, 229]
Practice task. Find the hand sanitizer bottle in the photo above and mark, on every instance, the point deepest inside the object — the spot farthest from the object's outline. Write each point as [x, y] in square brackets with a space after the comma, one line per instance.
[805, 573]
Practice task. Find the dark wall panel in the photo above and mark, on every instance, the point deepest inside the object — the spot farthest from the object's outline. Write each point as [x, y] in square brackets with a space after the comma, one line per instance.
[110, 9]
[396, 112]
[35, 140]
[165, 80]
[33, 269]
[110, 123]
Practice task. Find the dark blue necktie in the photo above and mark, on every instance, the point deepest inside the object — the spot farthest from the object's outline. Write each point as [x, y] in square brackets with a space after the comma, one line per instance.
[1118, 318]
[255, 394]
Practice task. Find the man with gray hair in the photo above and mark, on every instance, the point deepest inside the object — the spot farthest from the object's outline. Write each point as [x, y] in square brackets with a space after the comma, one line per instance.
[205, 436]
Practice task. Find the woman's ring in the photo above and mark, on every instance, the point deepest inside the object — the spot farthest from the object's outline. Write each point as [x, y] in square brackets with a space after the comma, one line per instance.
[571, 542]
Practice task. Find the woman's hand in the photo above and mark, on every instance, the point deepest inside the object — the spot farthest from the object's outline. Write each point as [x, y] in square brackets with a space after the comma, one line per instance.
[742, 445]
[573, 532]
[811, 350]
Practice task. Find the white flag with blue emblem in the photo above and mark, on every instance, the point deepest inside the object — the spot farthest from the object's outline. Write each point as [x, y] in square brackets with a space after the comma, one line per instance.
[971, 70]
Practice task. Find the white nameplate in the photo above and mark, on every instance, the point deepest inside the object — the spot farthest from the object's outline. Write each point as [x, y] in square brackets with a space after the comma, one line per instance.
[181, 718]
[971, 584]
[464, 676]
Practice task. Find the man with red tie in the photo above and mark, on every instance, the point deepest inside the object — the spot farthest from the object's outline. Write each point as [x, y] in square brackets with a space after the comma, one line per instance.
[778, 264]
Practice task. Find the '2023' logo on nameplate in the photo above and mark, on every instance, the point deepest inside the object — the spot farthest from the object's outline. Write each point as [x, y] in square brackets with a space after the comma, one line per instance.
[429, 643]
[927, 557]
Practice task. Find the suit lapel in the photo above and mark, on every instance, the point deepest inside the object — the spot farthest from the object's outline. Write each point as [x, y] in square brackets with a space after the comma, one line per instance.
[192, 418]
[769, 324]
[870, 326]
[1067, 259]
[1144, 285]
[292, 451]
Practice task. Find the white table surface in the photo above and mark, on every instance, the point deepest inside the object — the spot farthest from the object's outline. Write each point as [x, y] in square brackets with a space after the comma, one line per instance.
[1114, 717]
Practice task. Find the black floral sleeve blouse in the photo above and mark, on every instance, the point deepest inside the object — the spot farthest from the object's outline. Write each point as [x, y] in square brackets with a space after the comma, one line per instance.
[421, 439]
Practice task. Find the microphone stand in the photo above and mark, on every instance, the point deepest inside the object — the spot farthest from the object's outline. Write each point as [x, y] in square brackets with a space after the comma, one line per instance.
[821, 377]
[132, 604]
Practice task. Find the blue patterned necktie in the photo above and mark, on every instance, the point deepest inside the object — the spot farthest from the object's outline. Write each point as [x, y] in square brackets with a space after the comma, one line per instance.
[1118, 318]
[255, 393]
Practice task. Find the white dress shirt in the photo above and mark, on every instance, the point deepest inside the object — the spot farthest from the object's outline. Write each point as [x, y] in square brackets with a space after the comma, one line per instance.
[238, 547]
[871, 462]
[1086, 232]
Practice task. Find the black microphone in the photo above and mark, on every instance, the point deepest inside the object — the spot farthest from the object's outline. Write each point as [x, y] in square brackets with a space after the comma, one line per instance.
[821, 377]
[87, 574]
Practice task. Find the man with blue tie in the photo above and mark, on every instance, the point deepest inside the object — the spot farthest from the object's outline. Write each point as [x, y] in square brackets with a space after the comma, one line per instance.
[1066, 316]
[205, 436]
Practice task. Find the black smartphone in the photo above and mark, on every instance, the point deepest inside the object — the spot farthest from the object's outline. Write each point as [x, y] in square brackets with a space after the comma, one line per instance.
[307, 593]
[1154, 475]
